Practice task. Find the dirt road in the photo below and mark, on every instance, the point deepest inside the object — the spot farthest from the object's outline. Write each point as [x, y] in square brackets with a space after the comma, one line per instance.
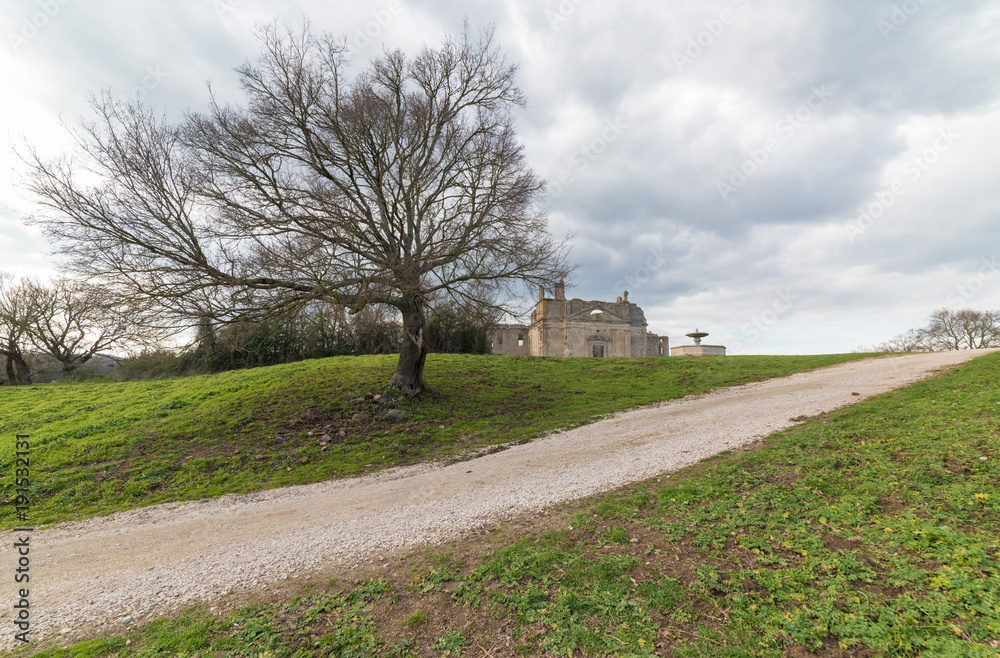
[138, 564]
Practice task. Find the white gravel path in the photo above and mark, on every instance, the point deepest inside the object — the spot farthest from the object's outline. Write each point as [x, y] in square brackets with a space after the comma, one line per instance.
[140, 563]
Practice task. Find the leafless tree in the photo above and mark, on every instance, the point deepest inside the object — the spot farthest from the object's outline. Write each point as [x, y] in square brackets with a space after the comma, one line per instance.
[67, 321]
[388, 187]
[964, 329]
[14, 322]
[72, 322]
[911, 341]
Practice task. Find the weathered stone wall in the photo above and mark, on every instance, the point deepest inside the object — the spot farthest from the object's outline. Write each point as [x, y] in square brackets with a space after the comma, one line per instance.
[657, 345]
[512, 340]
[576, 327]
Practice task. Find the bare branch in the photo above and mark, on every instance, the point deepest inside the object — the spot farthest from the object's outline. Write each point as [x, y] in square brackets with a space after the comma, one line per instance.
[401, 183]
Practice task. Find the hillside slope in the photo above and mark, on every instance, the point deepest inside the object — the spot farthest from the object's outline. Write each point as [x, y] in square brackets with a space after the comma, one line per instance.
[101, 447]
[143, 562]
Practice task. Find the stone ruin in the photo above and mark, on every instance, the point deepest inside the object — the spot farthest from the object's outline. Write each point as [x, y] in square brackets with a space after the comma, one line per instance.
[575, 327]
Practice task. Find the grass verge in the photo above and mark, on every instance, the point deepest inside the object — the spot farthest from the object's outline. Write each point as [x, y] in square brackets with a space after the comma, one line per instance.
[101, 447]
[872, 531]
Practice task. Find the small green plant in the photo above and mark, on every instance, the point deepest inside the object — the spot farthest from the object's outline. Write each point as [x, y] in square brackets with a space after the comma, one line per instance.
[436, 577]
[615, 535]
[451, 643]
[582, 521]
[407, 648]
[417, 619]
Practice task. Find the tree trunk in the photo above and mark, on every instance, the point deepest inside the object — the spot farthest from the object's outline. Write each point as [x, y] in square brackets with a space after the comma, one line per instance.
[18, 371]
[69, 364]
[409, 375]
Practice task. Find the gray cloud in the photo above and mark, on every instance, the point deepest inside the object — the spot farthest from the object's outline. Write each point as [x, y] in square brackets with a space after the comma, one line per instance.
[640, 114]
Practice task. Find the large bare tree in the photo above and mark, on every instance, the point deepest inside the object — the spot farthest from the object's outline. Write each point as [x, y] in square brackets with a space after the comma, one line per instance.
[390, 186]
[962, 329]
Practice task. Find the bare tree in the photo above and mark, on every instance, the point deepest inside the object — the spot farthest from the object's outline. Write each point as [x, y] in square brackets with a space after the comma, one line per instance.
[14, 323]
[67, 321]
[389, 187]
[72, 322]
[911, 341]
[964, 329]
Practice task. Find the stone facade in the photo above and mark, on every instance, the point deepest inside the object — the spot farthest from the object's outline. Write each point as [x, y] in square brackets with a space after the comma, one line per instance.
[574, 327]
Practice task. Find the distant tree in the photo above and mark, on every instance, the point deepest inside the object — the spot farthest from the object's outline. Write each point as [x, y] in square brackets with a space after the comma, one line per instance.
[311, 331]
[964, 329]
[389, 187]
[375, 330]
[14, 322]
[461, 328]
[72, 322]
[67, 321]
[911, 341]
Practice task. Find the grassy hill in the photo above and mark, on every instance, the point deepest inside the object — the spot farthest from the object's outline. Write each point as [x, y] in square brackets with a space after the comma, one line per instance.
[873, 531]
[100, 447]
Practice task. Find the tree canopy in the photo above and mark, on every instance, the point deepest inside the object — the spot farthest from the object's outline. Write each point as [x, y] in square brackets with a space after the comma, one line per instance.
[397, 184]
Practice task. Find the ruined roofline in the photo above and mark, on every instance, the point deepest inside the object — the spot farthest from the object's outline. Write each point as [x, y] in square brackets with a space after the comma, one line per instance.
[586, 301]
[559, 295]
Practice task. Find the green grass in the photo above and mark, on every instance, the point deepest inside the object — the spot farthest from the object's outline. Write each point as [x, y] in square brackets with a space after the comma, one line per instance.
[101, 447]
[874, 531]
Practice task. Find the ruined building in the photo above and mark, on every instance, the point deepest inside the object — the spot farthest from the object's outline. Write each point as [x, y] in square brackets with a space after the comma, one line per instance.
[574, 327]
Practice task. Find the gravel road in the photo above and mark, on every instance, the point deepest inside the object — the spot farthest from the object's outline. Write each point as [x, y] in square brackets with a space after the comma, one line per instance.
[141, 563]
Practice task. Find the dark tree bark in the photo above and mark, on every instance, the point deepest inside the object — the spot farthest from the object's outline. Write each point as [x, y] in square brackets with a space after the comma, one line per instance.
[409, 375]
[18, 370]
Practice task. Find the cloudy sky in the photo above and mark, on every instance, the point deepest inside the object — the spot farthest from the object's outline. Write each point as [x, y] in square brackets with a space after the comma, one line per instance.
[792, 176]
